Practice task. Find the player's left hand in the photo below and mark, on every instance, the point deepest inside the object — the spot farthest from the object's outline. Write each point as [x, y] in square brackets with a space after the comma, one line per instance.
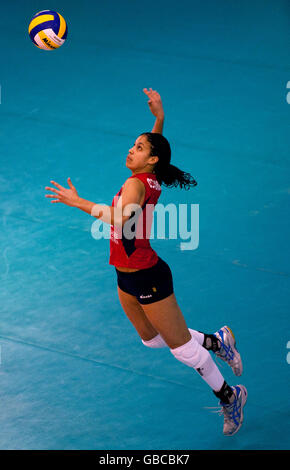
[69, 197]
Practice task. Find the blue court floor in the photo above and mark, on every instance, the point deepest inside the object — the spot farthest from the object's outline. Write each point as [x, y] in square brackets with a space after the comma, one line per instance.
[74, 373]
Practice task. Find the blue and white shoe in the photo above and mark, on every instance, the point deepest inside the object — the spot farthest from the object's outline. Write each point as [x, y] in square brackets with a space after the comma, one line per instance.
[233, 413]
[228, 351]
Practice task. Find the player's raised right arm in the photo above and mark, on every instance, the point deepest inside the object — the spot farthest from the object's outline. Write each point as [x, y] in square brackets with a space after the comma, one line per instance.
[156, 108]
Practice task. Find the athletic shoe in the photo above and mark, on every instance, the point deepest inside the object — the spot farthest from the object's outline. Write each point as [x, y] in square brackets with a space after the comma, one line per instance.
[233, 413]
[228, 351]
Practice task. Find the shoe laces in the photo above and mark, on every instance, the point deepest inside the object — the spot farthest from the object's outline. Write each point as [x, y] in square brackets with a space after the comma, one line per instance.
[214, 409]
[226, 352]
[231, 412]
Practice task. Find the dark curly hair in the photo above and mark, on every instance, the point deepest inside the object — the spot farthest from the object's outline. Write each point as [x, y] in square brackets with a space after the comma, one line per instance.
[167, 174]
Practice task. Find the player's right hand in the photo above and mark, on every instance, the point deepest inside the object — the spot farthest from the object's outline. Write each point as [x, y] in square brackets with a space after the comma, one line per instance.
[155, 103]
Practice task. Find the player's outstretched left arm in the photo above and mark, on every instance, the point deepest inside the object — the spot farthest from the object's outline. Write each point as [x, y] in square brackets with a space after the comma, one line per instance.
[156, 108]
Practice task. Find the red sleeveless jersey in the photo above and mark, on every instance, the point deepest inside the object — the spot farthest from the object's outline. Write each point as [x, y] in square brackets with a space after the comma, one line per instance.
[136, 252]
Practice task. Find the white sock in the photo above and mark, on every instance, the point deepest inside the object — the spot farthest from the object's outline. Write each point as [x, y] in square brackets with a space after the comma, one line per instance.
[194, 355]
[158, 341]
[197, 335]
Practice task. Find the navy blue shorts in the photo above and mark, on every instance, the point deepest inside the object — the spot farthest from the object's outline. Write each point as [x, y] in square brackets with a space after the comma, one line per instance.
[147, 285]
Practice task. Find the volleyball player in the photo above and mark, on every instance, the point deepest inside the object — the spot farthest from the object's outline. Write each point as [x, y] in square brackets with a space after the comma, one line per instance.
[144, 280]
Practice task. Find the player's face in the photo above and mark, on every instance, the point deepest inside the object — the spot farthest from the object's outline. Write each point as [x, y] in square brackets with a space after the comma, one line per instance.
[139, 156]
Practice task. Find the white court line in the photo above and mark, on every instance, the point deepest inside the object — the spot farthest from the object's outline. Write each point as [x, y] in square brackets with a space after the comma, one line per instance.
[94, 361]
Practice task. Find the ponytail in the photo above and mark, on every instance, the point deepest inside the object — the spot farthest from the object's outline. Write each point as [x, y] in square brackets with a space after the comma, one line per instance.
[167, 174]
[173, 177]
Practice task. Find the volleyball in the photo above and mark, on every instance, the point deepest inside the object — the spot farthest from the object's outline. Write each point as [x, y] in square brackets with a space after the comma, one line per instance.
[47, 30]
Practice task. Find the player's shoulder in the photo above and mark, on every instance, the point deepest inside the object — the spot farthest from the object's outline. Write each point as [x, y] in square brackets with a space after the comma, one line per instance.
[134, 183]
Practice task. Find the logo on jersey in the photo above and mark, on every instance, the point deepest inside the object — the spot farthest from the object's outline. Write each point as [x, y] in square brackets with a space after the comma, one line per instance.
[114, 236]
[154, 184]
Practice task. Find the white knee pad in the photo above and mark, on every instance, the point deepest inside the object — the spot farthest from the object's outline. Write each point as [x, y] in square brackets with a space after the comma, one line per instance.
[192, 354]
[156, 342]
[197, 335]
